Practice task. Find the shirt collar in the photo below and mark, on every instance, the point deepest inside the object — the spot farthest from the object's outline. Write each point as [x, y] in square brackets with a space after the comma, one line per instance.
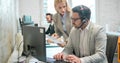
[64, 16]
[52, 23]
[88, 26]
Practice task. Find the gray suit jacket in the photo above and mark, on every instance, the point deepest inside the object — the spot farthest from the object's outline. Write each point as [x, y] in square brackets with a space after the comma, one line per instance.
[58, 25]
[96, 44]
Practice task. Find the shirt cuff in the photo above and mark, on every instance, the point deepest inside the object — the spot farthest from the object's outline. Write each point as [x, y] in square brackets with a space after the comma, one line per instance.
[46, 38]
[82, 60]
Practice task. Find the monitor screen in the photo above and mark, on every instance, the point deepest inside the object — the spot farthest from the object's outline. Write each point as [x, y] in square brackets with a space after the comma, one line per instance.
[34, 42]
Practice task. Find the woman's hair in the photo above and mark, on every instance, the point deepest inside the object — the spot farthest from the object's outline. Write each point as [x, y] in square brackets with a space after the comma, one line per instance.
[59, 1]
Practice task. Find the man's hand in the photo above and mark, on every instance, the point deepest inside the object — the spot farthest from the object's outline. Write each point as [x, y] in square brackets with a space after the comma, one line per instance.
[49, 41]
[55, 35]
[59, 56]
[73, 59]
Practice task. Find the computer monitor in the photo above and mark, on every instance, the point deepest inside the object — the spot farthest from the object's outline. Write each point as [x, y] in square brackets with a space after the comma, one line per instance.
[34, 42]
[27, 20]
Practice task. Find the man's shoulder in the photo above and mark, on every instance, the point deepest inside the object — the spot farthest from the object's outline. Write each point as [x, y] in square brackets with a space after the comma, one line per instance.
[96, 26]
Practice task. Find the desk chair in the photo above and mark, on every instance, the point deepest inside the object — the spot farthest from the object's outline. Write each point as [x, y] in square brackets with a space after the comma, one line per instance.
[111, 46]
[118, 49]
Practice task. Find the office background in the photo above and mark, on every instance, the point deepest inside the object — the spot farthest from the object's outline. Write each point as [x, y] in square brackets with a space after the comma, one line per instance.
[107, 13]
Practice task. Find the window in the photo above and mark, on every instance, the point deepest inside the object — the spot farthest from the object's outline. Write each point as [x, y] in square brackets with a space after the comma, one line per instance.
[48, 8]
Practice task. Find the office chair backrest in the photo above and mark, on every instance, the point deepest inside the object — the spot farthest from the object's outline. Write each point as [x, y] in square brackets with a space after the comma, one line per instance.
[111, 46]
[118, 49]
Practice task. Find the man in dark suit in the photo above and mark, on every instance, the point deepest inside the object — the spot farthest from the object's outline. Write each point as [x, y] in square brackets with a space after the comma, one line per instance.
[50, 29]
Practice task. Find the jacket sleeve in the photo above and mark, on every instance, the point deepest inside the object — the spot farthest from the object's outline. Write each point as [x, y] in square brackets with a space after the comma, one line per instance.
[68, 48]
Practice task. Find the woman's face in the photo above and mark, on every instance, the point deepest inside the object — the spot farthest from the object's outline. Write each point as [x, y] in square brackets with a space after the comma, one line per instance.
[61, 8]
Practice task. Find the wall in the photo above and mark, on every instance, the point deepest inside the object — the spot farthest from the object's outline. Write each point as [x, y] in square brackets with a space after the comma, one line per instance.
[108, 14]
[30, 7]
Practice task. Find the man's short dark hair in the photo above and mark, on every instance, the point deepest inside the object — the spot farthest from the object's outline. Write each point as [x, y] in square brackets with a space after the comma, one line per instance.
[49, 14]
[83, 11]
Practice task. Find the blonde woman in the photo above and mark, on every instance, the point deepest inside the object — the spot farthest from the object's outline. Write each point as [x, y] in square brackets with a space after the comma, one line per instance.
[62, 20]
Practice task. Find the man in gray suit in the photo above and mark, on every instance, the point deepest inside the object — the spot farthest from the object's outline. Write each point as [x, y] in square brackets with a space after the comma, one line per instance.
[87, 41]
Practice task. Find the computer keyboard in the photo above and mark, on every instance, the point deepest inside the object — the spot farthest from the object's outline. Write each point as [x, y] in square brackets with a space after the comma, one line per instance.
[51, 60]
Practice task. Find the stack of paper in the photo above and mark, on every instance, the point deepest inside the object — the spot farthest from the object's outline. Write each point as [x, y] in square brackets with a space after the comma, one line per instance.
[53, 39]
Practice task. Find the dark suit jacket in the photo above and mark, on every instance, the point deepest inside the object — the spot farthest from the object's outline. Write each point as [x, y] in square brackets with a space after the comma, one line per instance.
[50, 30]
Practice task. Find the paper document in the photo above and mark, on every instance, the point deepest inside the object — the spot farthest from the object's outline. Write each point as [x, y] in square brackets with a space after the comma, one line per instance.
[53, 39]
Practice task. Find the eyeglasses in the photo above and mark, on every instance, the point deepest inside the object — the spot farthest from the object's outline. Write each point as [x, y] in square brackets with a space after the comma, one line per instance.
[75, 19]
